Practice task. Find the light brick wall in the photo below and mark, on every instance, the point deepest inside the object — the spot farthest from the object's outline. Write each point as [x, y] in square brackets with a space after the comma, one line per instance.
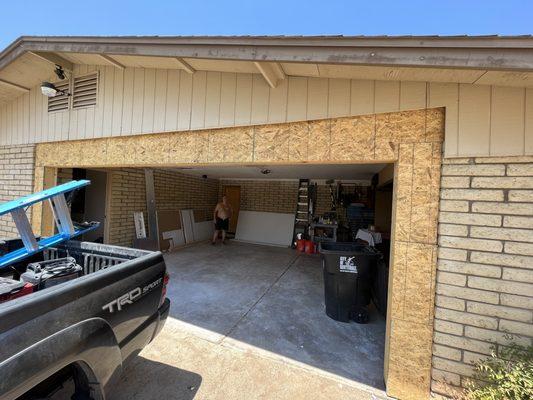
[16, 178]
[173, 191]
[485, 268]
[264, 195]
[323, 199]
[128, 194]
[278, 196]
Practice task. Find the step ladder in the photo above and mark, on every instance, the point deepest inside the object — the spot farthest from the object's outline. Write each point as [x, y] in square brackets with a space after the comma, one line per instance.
[302, 215]
[66, 229]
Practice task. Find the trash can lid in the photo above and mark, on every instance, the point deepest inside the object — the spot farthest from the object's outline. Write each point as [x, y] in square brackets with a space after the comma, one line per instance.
[344, 248]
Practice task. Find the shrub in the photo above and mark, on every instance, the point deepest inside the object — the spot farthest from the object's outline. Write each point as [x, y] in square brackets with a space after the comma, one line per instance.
[504, 376]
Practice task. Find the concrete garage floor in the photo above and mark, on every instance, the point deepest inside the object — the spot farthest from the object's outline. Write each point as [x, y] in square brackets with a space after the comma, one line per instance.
[248, 322]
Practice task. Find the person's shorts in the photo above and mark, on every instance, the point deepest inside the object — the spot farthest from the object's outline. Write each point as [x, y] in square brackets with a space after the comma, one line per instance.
[222, 224]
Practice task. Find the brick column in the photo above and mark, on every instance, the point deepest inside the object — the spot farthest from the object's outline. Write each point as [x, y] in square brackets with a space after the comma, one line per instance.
[16, 179]
[485, 263]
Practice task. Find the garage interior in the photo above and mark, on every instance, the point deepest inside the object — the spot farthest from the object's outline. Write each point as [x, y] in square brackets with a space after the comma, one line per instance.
[257, 292]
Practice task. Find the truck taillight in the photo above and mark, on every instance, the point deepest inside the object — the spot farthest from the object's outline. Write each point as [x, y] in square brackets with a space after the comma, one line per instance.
[166, 278]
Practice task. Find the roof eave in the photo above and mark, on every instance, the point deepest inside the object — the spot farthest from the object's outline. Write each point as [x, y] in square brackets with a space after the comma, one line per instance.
[461, 41]
[487, 52]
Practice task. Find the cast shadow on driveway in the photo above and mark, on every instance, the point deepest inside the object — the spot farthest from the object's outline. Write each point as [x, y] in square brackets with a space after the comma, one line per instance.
[146, 379]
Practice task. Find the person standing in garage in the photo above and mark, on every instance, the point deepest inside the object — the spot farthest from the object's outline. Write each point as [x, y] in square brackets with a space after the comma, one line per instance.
[221, 216]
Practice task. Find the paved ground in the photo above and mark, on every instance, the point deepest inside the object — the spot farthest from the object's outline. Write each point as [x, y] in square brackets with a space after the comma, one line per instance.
[247, 322]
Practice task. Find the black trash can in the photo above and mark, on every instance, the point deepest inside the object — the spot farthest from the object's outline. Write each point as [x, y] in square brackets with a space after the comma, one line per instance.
[380, 286]
[348, 269]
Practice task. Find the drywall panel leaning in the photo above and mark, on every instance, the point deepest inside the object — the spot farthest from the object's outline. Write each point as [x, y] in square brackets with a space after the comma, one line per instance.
[265, 228]
[203, 230]
[187, 222]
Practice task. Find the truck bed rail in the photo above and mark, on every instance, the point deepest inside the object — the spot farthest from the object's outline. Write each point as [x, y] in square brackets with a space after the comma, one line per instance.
[92, 257]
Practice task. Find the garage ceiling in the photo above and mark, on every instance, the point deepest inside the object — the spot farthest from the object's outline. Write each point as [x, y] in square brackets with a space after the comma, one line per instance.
[311, 171]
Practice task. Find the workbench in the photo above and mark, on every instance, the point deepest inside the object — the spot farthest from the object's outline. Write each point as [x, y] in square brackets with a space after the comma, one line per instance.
[330, 229]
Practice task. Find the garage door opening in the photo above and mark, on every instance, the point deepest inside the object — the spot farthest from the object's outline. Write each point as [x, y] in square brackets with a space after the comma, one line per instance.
[257, 291]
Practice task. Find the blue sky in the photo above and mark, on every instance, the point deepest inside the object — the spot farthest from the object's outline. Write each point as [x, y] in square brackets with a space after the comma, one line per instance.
[271, 17]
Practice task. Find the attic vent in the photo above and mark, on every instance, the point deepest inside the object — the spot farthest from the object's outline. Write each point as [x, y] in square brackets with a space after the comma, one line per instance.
[59, 103]
[84, 91]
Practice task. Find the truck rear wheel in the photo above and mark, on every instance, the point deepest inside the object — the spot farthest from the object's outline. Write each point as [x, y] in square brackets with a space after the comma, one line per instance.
[69, 383]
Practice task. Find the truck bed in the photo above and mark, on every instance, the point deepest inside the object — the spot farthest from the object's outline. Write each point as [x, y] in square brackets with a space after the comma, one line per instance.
[99, 319]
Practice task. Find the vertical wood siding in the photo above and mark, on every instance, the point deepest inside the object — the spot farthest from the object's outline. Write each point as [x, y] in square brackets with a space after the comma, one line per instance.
[480, 120]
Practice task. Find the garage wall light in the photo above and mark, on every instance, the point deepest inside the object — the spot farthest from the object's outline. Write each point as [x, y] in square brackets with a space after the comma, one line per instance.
[49, 89]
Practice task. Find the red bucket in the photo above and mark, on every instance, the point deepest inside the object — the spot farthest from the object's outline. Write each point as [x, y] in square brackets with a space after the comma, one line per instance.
[309, 247]
[300, 245]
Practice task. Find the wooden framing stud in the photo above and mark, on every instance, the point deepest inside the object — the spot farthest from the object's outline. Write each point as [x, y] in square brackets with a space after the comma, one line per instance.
[54, 59]
[184, 65]
[110, 60]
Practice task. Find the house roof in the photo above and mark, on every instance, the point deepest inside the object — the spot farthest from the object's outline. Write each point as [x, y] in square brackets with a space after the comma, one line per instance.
[338, 49]
[503, 60]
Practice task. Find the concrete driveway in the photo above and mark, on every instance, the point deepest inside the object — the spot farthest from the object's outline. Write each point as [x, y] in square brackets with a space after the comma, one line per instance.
[247, 322]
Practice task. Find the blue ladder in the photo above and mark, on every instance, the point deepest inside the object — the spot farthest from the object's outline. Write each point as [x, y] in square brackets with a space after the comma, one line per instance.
[65, 227]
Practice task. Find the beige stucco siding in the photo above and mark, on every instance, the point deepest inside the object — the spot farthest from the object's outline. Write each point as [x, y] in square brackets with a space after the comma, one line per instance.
[481, 120]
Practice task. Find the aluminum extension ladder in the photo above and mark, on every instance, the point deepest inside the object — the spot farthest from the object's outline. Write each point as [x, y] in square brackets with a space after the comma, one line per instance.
[66, 229]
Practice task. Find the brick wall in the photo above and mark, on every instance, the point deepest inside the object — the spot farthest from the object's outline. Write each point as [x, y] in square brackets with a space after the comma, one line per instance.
[128, 194]
[16, 177]
[323, 199]
[278, 196]
[173, 191]
[485, 268]
[176, 191]
[264, 195]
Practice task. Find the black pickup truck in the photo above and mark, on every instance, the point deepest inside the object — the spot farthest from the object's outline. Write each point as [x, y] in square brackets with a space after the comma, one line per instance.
[79, 333]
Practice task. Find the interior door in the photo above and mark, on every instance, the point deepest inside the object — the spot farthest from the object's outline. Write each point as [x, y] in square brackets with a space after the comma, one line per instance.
[233, 194]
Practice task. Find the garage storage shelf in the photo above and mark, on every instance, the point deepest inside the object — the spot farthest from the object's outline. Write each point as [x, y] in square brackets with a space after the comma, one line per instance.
[65, 228]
